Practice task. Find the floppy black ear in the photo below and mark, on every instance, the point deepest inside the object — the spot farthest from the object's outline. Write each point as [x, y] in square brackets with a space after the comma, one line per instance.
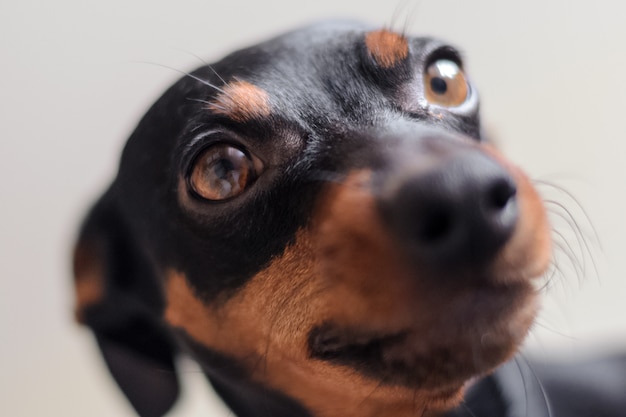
[119, 297]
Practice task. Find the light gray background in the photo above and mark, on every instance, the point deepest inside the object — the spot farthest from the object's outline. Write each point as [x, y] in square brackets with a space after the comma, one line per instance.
[551, 74]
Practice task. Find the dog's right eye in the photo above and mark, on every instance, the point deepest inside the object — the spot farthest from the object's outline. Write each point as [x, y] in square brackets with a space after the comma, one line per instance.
[222, 172]
[446, 84]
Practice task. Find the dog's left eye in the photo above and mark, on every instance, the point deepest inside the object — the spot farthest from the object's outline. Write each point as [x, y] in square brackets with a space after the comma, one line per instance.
[445, 84]
[222, 172]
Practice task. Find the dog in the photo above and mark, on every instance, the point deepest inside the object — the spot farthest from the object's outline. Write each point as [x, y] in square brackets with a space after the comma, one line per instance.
[320, 223]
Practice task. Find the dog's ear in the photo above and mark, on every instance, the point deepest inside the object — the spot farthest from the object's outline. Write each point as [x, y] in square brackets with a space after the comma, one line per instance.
[119, 297]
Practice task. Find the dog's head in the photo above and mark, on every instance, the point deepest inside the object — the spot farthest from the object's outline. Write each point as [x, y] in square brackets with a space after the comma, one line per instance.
[319, 222]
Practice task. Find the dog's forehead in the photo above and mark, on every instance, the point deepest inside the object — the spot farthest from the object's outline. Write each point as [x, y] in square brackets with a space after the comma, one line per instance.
[321, 43]
[324, 66]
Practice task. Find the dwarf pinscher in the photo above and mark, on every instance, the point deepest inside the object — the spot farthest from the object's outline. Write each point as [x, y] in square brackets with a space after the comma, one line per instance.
[319, 222]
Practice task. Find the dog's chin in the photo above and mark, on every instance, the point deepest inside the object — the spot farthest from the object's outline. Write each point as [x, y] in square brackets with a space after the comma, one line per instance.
[467, 338]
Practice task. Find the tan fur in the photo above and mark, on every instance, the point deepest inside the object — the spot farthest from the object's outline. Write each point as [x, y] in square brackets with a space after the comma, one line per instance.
[241, 101]
[387, 48]
[89, 278]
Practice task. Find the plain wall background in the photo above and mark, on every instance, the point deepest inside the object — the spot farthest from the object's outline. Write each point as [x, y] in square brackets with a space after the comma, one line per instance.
[72, 88]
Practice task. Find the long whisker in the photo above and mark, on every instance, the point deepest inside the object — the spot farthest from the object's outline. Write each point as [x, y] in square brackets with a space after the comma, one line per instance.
[570, 248]
[469, 410]
[397, 11]
[411, 16]
[567, 216]
[216, 73]
[198, 57]
[524, 382]
[544, 394]
[368, 396]
[572, 198]
[185, 73]
[587, 239]
[208, 103]
[551, 276]
[576, 264]
[552, 330]
[205, 63]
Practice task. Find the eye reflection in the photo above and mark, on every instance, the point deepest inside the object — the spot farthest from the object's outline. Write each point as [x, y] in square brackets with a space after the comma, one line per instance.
[222, 172]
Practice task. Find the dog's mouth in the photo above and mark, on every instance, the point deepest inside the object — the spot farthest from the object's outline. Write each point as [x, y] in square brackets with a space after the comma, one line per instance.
[361, 350]
[469, 338]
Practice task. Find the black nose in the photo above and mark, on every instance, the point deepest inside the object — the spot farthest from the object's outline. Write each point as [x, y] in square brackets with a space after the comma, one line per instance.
[460, 211]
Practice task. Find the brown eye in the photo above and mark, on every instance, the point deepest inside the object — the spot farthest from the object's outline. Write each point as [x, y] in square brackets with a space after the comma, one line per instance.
[222, 172]
[445, 84]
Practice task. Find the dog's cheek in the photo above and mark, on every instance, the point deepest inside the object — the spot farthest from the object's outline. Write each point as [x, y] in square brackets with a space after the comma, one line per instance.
[269, 317]
[265, 327]
[359, 261]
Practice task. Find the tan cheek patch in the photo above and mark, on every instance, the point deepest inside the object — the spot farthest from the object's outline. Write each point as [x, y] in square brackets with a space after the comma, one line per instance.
[266, 332]
[89, 278]
[265, 325]
[387, 48]
[358, 254]
[241, 101]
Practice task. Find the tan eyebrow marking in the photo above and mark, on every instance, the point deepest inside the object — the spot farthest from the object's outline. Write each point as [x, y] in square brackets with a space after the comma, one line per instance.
[241, 101]
[387, 48]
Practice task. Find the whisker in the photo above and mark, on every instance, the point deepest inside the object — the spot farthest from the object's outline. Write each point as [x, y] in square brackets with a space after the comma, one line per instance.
[216, 73]
[469, 410]
[205, 63]
[198, 57]
[556, 232]
[368, 396]
[411, 17]
[397, 11]
[576, 264]
[570, 217]
[587, 239]
[567, 216]
[572, 198]
[208, 103]
[185, 73]
[555, 269]
[202, 61]
[552, 330]
[524, 382]
[546, 401]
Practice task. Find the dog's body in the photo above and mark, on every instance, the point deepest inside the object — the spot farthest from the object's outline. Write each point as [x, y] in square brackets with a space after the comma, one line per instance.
[317, 220]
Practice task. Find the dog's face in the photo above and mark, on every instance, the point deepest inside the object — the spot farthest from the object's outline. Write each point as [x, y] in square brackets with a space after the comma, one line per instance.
[318, 220]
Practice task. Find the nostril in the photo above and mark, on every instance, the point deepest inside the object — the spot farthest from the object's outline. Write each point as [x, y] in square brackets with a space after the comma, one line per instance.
[500, 194]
